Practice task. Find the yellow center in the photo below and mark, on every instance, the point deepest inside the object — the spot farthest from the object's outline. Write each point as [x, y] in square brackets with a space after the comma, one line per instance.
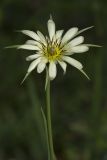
[52, 52]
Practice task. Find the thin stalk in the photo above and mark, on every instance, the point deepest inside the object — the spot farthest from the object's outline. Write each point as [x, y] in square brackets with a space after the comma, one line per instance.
[51, 155]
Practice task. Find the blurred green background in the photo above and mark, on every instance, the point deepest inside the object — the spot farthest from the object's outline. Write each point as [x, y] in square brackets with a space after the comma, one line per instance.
[79, 106]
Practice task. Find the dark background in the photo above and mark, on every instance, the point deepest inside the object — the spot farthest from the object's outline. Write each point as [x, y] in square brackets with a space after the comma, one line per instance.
[79, 106]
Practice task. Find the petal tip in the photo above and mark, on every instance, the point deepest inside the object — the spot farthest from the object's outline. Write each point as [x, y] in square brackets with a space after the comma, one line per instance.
[27, 74]
[85, 74]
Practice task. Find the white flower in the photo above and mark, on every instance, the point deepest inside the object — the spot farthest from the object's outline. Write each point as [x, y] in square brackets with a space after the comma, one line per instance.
[54, 49]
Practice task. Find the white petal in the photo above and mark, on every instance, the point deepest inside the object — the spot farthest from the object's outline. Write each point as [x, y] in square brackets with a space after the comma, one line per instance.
[42, 38]
[31, 68]
[31, 34]
[51, 28]
[33, 65]
[52, 70]
[29, 47]
[31, 42]
[80, 49]
[41, 66]
[69, 35]
[68, 53]
[73, 62]
[63, 65]
[32, 57]
[76, 41]
[53, 40]
[58, 35]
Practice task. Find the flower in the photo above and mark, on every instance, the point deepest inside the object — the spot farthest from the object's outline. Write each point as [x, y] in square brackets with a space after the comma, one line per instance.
[54, 49]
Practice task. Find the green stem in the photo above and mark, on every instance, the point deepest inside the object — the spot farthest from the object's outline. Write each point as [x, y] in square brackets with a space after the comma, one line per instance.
[51, 155]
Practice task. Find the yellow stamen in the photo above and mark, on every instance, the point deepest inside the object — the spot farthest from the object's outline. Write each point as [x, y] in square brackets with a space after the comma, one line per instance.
[52, 52]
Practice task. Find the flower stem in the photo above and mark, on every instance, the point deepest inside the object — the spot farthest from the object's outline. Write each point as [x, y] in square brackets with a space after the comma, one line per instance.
[51, 155]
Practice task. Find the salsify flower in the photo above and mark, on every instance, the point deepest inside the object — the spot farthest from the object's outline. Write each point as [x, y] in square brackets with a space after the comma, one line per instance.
[57, 48]
[54, 49]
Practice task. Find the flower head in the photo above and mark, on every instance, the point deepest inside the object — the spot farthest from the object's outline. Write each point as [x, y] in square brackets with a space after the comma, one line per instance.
[54, 49]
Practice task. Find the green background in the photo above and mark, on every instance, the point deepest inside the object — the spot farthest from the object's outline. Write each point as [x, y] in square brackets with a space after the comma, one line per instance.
[79, 106]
